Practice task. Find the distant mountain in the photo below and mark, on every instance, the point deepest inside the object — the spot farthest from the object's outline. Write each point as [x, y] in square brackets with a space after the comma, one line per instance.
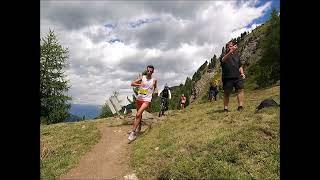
[89, 111]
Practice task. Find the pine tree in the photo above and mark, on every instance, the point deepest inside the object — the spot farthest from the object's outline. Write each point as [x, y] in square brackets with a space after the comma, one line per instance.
[223, 51]
[238, 39]
[269, 65]
[53, 86]
[105, 111]
[212, 63]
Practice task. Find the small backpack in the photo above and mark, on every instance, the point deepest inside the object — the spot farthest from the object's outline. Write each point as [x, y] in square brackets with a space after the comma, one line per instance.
[267, 103]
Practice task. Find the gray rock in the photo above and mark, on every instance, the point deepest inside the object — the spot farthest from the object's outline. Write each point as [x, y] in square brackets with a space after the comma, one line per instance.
[130, 177]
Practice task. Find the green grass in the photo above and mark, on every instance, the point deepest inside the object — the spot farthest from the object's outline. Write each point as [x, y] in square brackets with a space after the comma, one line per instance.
[63, 144]
[202, 142]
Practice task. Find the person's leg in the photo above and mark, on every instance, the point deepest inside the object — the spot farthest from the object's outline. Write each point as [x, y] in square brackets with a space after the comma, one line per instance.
[240, 97]
[138, 118]
[215, 96]
[138, 105]
[167, 105]
[225, 100]
[138, 129]
[239, 86]
[227, 88]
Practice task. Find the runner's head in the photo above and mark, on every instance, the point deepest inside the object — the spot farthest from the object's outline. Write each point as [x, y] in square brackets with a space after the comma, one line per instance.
[150, 70]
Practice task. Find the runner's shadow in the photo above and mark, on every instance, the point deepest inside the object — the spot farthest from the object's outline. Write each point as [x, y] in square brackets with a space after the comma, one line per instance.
[219, 111]
[215, 111]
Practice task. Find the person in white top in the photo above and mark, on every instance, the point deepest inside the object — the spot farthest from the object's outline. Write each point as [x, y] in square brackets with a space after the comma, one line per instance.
[147, 86]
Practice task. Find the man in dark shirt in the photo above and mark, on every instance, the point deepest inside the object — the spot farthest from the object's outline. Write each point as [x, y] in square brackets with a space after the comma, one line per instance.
[232, 76]
[166, 95]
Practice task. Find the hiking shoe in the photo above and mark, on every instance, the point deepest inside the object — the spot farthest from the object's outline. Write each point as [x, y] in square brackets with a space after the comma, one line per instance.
[225, 110]
[240, 108]
[132, 136]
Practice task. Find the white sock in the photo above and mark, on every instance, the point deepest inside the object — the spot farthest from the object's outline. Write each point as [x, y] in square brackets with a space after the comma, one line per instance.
[225, 107]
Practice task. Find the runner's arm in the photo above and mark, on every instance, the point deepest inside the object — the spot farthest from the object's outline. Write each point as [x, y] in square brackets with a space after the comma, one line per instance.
[169, 94]
[136, 82]
[155, 85]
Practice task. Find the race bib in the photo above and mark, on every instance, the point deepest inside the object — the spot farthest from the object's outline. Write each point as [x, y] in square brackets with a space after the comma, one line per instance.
[143, 91]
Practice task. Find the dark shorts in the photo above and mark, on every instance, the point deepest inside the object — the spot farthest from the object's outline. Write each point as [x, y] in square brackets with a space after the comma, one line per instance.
[212, 93]
[228, 84]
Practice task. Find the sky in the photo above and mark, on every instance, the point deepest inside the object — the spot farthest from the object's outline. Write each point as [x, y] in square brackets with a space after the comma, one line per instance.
[111, 42]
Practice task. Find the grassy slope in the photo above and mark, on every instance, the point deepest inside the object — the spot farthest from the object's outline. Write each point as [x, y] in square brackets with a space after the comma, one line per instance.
[202, 142]
[63, 144]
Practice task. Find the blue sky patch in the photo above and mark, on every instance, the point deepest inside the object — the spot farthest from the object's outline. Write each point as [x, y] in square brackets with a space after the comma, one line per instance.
[274, 4]
[113, 40]
[110, 25]
[140, 22]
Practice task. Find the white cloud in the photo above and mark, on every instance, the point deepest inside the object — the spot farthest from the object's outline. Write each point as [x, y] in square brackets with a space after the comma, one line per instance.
[176, 37]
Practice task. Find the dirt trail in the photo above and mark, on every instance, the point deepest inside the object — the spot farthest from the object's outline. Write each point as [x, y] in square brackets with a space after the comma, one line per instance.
[109, 159]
